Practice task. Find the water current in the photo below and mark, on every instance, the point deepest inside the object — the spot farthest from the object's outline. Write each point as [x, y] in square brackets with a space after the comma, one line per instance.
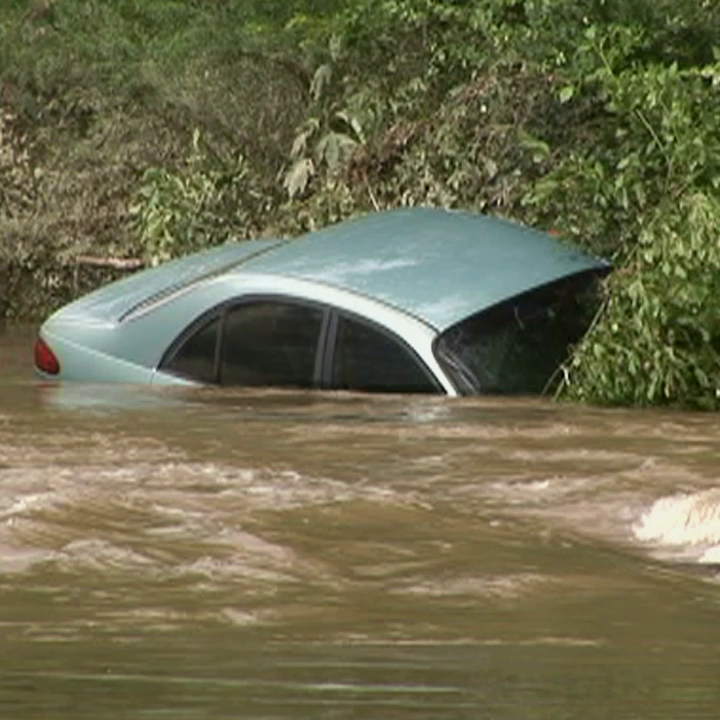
[282, 555]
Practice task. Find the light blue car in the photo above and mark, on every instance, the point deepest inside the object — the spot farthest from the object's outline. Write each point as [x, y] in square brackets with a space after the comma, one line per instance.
[411, 300]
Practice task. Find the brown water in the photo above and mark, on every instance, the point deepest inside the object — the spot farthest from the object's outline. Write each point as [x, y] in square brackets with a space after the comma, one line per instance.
[281, 555]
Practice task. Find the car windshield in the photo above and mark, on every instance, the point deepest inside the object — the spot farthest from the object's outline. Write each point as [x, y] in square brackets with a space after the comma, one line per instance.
[516, 347]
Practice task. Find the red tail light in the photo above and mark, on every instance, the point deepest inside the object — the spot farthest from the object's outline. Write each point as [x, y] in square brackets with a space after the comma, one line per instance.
[45, 359]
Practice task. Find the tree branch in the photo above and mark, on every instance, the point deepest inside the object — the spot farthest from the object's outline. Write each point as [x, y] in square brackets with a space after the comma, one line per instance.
[115, 263]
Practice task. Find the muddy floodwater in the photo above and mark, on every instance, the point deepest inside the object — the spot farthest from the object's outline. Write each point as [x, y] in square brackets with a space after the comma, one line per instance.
[285, 555]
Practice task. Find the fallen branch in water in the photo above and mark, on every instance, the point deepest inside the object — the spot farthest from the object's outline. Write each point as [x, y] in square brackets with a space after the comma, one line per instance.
[114, 263]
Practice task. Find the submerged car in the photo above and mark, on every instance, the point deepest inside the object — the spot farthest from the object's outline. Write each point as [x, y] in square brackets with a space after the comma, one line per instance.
[410, 300]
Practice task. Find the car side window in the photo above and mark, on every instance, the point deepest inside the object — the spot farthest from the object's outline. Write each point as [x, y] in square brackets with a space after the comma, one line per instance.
[367, 358]
[195, 358]
[271, 343]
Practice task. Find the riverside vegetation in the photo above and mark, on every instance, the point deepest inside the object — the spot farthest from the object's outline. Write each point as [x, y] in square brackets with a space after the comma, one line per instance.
[145, 129]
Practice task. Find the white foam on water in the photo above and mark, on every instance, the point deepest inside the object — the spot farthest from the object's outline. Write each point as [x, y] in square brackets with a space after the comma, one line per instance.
[684, 521]
[499, 587]
[100, 554]
[23, 504]
[20, 560]
[711, 556]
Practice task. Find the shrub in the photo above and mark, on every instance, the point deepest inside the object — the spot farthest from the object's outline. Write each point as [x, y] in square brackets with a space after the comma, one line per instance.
[658, 342]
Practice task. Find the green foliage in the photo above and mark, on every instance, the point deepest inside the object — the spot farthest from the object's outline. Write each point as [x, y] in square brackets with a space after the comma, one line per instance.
[103, 92]
[207, 202]
[659, 338]
[25, 253]
[644, 191]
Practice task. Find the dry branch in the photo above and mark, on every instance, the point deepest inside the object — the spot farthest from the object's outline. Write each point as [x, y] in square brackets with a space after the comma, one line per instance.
[114, 263]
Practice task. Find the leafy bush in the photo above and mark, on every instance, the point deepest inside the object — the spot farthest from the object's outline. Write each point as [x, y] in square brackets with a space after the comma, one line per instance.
[207, 202]
[659, 339]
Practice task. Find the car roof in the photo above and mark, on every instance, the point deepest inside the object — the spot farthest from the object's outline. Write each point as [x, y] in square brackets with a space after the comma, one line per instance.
[438, 265]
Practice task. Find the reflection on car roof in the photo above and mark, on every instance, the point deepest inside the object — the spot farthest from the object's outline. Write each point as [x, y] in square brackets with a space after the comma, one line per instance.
[438, 265]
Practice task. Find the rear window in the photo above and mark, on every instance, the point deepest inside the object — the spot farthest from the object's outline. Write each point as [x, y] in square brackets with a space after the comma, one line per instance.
[517, 346]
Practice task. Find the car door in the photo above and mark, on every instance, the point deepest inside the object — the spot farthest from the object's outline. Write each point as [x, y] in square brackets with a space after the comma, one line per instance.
[271, 343]
[261, 341]
[363, 355]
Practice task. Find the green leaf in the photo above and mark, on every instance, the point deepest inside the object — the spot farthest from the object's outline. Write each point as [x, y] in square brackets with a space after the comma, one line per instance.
[566, 94]
[539, 148]
[320, 80]
[298, 177]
